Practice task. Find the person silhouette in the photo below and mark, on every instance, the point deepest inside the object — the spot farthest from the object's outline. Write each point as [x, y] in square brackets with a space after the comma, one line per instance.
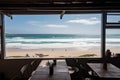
[108, 55]
[106, 59]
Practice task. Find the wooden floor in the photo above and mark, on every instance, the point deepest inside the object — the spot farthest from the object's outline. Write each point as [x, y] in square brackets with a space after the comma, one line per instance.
[60, 71]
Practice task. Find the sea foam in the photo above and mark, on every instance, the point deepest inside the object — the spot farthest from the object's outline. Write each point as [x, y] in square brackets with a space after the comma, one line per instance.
[58, 41]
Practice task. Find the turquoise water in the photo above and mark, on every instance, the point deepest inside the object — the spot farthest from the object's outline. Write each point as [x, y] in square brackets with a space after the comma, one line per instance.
[37, 41]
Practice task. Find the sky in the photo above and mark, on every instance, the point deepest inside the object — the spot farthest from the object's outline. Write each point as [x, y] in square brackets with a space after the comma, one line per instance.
[52, 24]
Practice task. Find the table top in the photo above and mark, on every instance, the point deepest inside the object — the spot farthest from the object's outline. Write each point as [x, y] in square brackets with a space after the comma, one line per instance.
[60, 71]
[111, 72]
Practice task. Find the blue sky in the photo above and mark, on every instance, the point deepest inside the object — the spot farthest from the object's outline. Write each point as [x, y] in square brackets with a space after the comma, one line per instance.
[52, 24]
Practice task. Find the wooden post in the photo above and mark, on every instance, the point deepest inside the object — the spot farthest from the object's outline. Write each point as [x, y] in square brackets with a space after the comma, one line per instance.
[103, 34]
[2, 35]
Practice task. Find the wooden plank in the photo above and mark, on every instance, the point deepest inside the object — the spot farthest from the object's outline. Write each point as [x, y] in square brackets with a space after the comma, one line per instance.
[111, 72]
[60, 71]
[113, 25]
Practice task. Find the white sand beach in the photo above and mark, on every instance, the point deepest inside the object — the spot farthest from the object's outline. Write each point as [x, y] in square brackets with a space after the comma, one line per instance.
[51, 53]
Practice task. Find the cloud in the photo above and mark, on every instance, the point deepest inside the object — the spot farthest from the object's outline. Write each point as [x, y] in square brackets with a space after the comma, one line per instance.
[90, 21]
[56, 26]
[34, 23]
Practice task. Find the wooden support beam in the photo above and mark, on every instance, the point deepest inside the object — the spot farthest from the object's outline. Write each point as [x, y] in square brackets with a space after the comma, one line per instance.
[2, 35]
[103, 34]
[7, 14]
[80, 6]
[113, 26]
[114, 14]
[62, 13]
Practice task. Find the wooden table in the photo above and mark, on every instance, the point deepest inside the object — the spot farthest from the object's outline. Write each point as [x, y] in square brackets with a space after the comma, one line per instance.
[60, 71]
[111, 72]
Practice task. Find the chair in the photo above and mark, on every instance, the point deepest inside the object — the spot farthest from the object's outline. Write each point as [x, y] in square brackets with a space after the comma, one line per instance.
[73, 67]
[71, 62]
[23, 74]
[80, 69]
[35, 64]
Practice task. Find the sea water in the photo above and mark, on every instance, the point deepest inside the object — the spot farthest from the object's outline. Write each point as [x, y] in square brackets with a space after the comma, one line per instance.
[41, 41]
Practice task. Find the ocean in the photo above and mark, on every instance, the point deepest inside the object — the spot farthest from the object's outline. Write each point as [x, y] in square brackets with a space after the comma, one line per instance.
[50, 41]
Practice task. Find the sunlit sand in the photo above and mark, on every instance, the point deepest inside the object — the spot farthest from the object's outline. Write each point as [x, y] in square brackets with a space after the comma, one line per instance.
[52, 53]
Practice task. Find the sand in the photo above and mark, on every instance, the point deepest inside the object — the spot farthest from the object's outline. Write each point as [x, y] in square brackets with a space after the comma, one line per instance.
[54, 53]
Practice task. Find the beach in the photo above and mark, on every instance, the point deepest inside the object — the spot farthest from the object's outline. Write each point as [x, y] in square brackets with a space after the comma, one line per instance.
[55, 53]
[58, 45]
[51, 53]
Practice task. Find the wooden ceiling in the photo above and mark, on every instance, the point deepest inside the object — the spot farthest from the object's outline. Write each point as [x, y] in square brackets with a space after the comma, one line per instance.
[57, 6]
